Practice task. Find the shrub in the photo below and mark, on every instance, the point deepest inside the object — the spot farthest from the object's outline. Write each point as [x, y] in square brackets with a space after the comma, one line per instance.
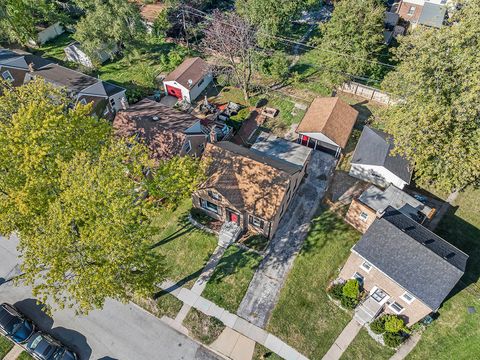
[242, 115]
[392, 340]
[336, 291]
[378, 325]
[348, 302]
[393, 323]
[351, 289]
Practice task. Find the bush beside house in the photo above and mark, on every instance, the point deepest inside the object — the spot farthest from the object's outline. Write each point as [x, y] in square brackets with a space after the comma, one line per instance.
[393, 329]
[347, 293]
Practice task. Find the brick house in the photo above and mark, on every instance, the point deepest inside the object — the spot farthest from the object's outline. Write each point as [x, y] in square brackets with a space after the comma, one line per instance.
[424, 12]
[373, 201]
[251, 187]
[405, 268]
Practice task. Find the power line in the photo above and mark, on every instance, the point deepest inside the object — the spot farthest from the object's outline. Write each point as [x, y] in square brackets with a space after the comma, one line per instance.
[284, 39]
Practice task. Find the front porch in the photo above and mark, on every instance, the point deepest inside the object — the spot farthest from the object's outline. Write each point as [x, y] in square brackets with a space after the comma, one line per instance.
[320, 145]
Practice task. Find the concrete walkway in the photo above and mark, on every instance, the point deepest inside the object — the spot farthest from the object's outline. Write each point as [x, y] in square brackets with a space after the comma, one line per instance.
[264, 289]
[443, 210]
[234, 322]
[343, 340]
[406, 347]
[14, 353]
[234, 345]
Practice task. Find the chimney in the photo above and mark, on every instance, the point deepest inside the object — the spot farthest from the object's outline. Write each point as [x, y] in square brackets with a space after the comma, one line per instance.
[30, 67]
[213, 135]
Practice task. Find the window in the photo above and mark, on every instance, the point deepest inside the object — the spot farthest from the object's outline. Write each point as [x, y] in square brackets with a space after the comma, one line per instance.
[209, 206]
[359, 277]
[258, 223]
[366, 266]
[411, 11]
[112, 102]
[396, 308]
[407, 297]
[83, 101]
[379, 295]
[214, 195]
[7, 76]
[363, 216]
[187, 146]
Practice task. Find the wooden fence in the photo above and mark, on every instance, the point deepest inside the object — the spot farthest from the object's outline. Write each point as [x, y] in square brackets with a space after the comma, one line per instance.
[367, 92]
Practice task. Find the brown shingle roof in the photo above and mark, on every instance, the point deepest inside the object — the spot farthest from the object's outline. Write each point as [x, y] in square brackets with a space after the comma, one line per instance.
[330, 116]
[247, 184]
[191, 69]
[164, 136]
[150, 12]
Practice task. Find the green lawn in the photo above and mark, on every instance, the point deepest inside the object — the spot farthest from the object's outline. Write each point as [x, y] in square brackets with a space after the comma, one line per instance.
[364, 347]
[25, 356]
[304, 317]
[456, 333]
[262, 353]
[5, 346]
[186, 249]
[203, 327]
[54, 49]
[231, 278]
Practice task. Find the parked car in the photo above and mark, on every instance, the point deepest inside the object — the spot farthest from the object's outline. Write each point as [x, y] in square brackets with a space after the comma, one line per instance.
[44, 347]
[14, 325]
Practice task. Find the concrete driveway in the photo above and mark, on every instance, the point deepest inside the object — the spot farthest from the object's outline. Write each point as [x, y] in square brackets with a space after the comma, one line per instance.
[264, 289]
[118, 331]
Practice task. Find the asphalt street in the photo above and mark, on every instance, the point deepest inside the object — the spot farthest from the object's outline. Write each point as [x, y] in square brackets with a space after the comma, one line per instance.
[118, 331]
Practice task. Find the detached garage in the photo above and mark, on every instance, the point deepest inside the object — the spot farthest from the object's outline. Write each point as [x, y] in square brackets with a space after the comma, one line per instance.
[188, 80]
[327, 125]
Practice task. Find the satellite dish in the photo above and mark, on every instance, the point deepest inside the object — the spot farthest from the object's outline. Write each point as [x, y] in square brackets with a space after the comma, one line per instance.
[155, 118]
[190, 82]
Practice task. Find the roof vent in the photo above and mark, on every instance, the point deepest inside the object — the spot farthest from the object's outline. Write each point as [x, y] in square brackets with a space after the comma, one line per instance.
[190, 83]
[449, 256]
[428, 242]
[155, 118]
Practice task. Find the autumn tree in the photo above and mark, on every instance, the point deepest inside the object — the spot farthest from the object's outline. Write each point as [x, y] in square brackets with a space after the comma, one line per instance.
[436, 123]
[232, 40]
[108, 24]
[38, 131]
[19, 18]
[352, 40]
[95, 240]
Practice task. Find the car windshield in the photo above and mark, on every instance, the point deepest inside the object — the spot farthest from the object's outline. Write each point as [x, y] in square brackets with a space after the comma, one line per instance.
[12, 324]
[35, 342]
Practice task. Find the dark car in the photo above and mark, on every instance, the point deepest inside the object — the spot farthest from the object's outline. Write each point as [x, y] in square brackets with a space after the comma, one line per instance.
[43, 347]
[14, 325]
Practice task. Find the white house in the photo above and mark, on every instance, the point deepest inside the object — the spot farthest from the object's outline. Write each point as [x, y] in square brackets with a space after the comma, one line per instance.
[47, 33]
[188, 80]
[75, 53]
[372, 160]
[327, 125]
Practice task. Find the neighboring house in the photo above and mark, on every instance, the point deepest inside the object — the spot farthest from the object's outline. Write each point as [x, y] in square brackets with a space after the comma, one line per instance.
[372, 203]
[405, 268]
[47, 33]
[251, 187]
[106, 98]
[392, 29]
[372, 160]
[327, 125]
[424, 12]
[167, 132]
[75, 53]
[188, 80]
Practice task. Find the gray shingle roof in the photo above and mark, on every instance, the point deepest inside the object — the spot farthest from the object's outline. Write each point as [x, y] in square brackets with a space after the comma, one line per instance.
[421, 262]
[432, 15]
[374, 147]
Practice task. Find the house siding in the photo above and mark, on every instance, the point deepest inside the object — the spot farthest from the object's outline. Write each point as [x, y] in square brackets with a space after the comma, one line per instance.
[17, 74]
[353, 216]
[412, 313]
[385, 177]
[190, 94]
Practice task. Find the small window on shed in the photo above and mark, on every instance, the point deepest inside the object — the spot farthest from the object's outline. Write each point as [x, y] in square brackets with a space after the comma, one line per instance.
[363, 216]
[7, 76]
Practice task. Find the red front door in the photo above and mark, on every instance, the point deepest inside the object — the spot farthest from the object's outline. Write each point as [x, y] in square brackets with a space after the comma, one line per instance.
[304, 140]
[173, 91]
[234, 218]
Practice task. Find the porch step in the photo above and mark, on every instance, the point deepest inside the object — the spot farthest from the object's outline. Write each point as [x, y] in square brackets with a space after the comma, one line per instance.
[229, 233]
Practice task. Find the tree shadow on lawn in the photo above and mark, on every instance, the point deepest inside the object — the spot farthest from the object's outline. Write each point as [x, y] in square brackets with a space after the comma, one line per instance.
[233, 263]
[466, 237]
[185, 229]
[178, 284]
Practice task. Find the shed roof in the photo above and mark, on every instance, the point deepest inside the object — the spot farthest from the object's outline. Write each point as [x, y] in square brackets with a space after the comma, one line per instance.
[374, 147]
[432, 15]
[418, 260]
[193, 69]
[330, 116]
[248, 182]
[150, 12]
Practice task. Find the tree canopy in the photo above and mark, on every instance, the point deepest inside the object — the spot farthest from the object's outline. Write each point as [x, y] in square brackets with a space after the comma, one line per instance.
[437, 122]
[108, 24]
[351, 42]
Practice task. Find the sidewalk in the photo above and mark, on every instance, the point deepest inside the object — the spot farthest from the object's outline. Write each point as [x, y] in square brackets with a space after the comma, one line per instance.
[406, 347]
[234, 322]
[343, 340]
[14, 353]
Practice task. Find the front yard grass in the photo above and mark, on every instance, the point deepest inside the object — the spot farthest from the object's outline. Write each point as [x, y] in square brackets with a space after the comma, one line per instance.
[231, 278]
[262, 353]
[186, 248]
[304, 317]
[54, 49]
[24, 356]
[204, 328]
[5, 346]
[363, 347]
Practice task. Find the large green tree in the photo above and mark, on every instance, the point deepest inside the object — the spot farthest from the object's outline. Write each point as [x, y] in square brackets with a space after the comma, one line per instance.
[272, 17]
[109, 24]
[19, 18]
[436, 123]
[95, 240]
[351, 42]
[37, 132]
